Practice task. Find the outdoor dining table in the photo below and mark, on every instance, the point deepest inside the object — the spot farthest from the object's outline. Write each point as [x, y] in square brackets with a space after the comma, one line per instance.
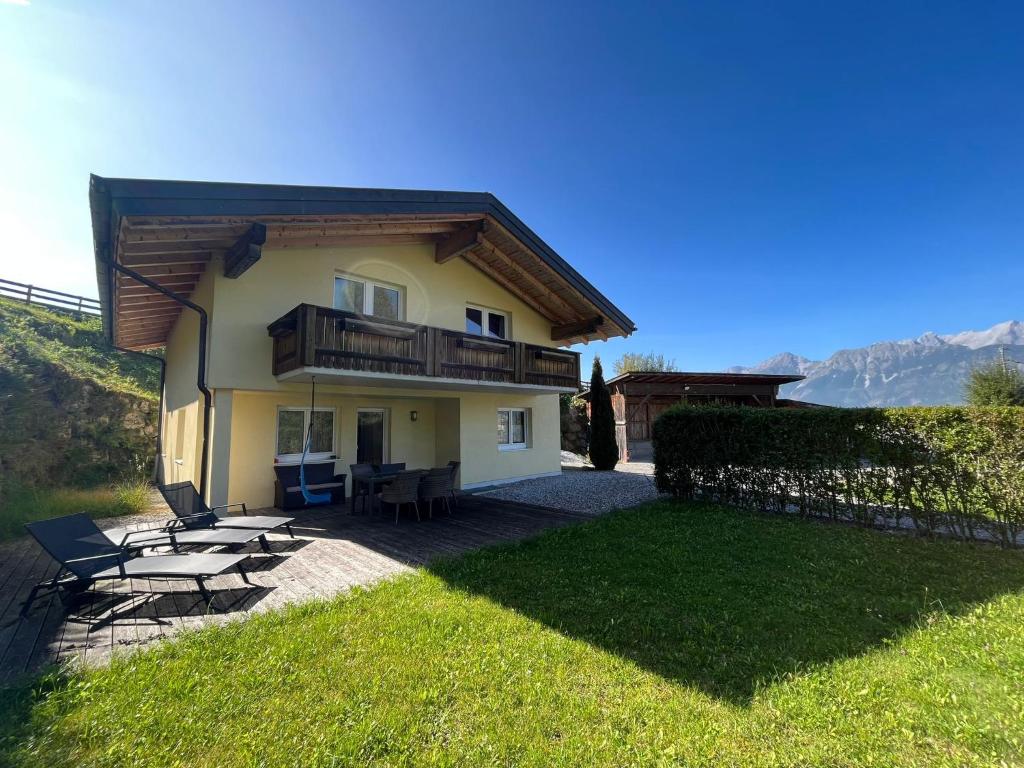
[373, 482]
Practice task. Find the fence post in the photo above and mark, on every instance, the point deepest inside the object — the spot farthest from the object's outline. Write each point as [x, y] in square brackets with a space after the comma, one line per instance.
[28, 295]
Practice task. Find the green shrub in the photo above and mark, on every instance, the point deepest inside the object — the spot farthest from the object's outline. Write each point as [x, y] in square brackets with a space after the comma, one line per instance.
[995, 384]
[955, 468]
[604, 452]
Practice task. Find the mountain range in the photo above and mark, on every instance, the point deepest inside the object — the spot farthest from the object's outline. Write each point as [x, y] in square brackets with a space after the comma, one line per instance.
[929, 370]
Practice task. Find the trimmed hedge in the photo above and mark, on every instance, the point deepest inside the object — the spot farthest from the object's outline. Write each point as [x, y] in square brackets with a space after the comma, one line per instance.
[959, 470]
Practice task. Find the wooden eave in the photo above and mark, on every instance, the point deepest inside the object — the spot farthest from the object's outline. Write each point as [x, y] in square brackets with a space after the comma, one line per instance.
[172, 241]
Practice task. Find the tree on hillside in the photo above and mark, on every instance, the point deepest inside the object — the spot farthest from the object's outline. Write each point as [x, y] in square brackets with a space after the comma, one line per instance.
[604, 452]
[997, 383]
[640, 361]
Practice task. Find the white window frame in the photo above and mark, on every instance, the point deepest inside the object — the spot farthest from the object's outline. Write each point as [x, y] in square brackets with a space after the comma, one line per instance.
[295, 458]
[485, 312]
[510, 446]
[368, 285]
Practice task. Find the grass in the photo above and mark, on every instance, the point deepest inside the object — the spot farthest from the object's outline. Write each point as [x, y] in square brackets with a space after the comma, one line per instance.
[74, 411]
[74, 343]
[20, 506]
[666, 635]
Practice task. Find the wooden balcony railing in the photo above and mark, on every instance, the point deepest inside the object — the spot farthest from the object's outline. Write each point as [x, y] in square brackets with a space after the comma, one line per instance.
[320, 337]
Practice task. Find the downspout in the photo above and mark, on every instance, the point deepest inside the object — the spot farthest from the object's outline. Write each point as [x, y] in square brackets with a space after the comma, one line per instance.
[201, 373]
[157, 477]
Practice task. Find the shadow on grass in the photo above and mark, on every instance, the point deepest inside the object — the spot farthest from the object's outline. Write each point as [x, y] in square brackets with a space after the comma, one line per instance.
[17, 701]
[727, 601]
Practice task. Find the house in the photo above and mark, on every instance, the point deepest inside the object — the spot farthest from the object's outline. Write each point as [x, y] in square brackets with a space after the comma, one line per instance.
[436, 326]
[639, 398]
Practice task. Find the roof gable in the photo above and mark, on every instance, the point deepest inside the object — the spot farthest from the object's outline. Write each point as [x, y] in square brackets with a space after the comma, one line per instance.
[169, 231]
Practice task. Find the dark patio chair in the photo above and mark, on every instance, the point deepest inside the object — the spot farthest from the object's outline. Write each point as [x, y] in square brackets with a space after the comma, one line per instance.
[390, 469]
[436, 484]
[360, 489]
[404, 489]
[87, 556]
[453, 468]
[188, 506]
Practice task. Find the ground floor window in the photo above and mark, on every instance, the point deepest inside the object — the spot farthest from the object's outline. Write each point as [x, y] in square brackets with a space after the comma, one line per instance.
[513, 428]
[292, 427]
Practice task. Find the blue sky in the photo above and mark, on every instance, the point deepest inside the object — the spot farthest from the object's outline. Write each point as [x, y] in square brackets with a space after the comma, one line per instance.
[741, 178]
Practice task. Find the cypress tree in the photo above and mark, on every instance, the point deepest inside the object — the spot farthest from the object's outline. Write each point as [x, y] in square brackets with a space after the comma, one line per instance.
[604, 453]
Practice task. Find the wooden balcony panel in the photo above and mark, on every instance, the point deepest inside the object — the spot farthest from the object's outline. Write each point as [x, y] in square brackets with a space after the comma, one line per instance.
[320, 337]
[550, 367]
[465, 356]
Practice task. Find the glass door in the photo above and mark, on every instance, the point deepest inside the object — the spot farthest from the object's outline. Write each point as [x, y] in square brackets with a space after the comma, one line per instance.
[371, 436]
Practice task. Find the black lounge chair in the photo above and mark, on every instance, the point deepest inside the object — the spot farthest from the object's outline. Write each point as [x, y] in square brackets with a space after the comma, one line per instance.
[87, 556]
[174, 535]
[189, 507]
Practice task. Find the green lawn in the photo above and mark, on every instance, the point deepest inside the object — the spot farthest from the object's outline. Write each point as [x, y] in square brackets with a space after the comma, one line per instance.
[666, 635]
[20, 506]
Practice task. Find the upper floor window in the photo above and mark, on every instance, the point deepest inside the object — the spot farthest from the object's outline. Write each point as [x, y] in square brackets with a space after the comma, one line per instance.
[369, 297]
[486, 322]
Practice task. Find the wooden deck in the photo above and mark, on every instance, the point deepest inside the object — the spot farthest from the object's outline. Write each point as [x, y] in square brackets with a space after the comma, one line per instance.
[332, 552]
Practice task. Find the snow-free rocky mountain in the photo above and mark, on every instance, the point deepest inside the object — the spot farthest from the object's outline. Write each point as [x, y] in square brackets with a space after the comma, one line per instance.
[928, 370]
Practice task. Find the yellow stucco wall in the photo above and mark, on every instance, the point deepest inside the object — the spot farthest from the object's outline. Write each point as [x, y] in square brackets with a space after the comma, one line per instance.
[183, 413]
[254, 425]
[435, 294]
[483, 462]
[451, 425]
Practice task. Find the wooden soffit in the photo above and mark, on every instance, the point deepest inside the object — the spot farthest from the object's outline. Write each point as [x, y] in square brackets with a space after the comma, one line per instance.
[170, 233]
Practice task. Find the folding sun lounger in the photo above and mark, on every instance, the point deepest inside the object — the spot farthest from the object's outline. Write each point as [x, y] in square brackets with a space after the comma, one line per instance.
[87, 556]
[186, 503]
[175, 535]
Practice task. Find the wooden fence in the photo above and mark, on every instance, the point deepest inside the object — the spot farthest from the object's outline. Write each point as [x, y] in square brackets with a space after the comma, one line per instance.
[33, 294]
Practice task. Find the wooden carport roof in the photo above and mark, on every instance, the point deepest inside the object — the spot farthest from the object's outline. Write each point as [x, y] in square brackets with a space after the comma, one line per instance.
[170, 231]
[680, 379]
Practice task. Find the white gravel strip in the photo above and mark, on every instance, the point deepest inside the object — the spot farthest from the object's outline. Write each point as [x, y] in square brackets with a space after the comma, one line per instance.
[584, 490]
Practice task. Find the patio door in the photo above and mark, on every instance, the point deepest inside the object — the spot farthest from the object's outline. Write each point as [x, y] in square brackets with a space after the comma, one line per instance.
[372, 435]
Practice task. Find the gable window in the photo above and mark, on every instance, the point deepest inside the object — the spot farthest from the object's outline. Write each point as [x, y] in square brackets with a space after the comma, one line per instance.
[368, 297]
[486, 322]
[292, 427]
[513, 428]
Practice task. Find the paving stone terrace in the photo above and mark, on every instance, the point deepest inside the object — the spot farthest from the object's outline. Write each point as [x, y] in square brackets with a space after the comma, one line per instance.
[332, 552]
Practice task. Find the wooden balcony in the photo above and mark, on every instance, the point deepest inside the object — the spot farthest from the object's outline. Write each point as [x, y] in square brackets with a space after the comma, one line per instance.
[350, 348]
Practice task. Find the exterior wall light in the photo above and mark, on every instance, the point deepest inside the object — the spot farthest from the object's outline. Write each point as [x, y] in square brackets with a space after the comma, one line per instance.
[414, 415]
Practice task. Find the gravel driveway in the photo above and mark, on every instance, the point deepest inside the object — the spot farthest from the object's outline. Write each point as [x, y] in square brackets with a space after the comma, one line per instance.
[580, 489]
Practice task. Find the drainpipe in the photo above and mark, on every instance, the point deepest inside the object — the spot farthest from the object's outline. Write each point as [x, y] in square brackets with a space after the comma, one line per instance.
[157, 477]
[200, 374]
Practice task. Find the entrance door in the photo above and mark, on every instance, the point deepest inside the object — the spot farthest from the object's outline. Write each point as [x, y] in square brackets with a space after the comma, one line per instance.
[371, 436]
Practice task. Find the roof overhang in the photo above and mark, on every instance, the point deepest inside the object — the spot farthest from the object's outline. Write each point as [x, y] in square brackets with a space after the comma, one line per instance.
[170, 232]
[683, 379]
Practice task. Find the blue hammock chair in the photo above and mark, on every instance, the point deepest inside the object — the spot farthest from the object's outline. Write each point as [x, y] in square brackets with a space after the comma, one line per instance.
[311, 498]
